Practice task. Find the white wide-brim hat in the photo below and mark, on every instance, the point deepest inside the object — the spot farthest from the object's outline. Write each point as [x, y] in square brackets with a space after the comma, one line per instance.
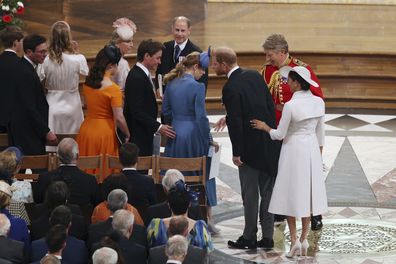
[300, 70]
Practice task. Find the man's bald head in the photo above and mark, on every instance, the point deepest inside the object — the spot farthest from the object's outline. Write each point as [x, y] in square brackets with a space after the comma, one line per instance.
[68, 151]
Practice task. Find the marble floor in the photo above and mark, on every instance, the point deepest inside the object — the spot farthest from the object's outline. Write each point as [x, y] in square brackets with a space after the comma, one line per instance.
[360, 226]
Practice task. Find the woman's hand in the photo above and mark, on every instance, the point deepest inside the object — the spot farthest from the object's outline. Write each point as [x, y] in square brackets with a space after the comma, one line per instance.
[260, 125]
[216, 146]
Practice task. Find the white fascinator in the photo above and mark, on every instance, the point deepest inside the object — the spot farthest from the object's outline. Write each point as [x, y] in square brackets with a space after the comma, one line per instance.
[125, 28]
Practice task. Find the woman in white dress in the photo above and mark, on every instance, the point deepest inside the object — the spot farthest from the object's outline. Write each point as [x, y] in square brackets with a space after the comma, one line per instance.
[63, 67]
[300, 172]
[122, 37]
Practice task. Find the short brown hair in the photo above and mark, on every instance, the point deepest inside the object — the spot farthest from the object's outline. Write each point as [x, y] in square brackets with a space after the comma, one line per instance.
[276, 42]
[9, 34]
[148, 46]
[226, 55]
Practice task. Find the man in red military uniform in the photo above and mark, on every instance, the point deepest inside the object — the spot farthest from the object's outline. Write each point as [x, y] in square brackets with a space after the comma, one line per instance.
[276, 50]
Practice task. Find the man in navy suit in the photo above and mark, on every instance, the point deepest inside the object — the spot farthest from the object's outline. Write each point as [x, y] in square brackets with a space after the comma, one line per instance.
[246, 97]
[75, 250]
[140, 108]
[11, 39]
[141, 188]
[29, 119]
[10, 250]
[56, 243]
[177, 49]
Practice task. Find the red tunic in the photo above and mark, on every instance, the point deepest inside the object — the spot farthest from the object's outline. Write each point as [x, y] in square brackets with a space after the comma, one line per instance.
[278, 86]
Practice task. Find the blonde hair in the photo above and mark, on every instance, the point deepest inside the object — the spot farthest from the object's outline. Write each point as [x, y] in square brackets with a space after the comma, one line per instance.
[8, 164]
[4, 200]
[60, 40]
[187, 63]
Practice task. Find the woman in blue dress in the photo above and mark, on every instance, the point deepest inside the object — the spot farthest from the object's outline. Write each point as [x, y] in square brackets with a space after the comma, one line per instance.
[183, 106]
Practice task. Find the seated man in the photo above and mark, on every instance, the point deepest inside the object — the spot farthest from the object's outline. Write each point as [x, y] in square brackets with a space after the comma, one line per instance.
[123, 227]
[162, 210]
[10, 250]
[105, 255]
[141, 188]
[178, 225]
[56, 242]
[83, 187]
[75, 250]
[176, 249]
[116, 200]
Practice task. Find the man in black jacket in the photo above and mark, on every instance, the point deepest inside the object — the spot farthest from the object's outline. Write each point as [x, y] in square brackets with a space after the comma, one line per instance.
[10, 250]
[246, 97]
[83, 187]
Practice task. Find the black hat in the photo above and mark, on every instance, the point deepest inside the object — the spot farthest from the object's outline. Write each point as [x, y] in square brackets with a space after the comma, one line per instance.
[113, 53]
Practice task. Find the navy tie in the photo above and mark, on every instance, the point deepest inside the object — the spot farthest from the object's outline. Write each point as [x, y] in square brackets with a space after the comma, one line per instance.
[176, 54]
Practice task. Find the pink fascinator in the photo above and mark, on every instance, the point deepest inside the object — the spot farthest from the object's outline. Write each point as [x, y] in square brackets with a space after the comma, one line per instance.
[125, 28]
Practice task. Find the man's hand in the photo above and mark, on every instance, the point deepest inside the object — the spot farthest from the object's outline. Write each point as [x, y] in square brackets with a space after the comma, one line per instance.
[51, 138]
[220, 125]
[167, 131]
[237, 160]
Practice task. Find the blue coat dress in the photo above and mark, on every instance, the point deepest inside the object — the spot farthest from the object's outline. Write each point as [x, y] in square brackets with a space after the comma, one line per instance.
[183, 106]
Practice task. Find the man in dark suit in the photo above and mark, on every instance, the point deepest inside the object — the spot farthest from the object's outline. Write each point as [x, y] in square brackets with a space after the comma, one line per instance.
[246, 96]
[175, 50]
[11, 39]
[140, 108]
[141, 188]
[178, 225]
[29, 119]
[10, 250]
[75, 250]
[83, 187]
[116, 200]
[122, 225]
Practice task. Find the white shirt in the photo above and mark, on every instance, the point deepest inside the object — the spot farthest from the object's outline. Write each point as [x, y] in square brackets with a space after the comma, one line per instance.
[173, 261]
[232, 70]
[181, 46]
[125, 169]
[10, 50]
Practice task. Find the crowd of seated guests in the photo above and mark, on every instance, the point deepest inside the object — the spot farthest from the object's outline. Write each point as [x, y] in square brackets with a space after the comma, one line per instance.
[57, 229]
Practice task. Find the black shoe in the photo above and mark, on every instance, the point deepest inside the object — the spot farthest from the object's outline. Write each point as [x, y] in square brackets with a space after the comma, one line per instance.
[265, 243]
[316, 222]
[242, 243]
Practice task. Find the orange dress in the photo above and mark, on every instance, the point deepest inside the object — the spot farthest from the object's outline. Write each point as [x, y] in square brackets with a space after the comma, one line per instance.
[97, 132]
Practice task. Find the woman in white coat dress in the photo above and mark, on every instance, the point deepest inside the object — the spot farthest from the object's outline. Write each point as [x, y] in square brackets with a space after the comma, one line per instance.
[300, 172]
[63, 68]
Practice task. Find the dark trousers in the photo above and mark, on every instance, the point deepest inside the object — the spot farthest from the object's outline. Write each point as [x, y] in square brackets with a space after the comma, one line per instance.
[256, 184]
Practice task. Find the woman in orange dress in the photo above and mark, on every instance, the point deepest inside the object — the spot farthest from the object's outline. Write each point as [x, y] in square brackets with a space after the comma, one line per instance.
[104, 104]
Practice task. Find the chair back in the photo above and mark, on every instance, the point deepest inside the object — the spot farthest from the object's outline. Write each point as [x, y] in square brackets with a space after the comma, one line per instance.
[94, 163]
[3, 140]
[35, 162]
[144, 163]
[184, 165]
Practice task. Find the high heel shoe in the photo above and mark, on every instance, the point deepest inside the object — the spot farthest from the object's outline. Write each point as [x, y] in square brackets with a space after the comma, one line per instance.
[304, 247]
[295, 249]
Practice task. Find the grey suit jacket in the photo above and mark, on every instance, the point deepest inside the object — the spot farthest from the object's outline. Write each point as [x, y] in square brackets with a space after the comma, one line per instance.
[195, 255]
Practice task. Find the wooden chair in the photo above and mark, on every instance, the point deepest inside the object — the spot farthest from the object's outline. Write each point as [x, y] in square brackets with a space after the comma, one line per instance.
[144, 163]
[35, 162]
[91, 162]
[184, 165]
[62, 136]
[3, 140]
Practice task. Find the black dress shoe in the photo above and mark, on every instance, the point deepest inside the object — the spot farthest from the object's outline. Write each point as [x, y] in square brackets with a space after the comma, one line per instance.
[242, 243]
[265, 243]
[316, 222]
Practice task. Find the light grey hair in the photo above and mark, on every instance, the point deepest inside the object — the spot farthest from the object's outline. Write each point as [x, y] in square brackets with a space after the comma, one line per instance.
[176, 246]
[5, 225]
[117, 199]
[170, 178]
[68, 151]
[122, 221]
[50, 259]
[105, 255]
[182, 18]
[276, 42]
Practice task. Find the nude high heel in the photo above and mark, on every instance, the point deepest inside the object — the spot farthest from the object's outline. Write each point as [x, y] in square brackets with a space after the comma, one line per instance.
[295, 249]
[304, 247]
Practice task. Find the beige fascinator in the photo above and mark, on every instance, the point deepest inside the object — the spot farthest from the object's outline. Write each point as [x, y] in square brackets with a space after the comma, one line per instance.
[125, 28]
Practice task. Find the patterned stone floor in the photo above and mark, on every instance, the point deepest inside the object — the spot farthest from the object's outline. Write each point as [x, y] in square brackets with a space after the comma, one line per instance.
[360, 227]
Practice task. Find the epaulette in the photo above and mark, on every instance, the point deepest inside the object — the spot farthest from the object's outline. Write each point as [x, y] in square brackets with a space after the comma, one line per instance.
[299, 63]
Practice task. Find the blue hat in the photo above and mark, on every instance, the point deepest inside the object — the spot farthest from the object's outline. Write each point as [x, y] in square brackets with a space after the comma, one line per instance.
[204, 59]
[18, 153]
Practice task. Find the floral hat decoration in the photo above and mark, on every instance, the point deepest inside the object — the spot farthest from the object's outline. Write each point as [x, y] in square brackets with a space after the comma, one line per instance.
[125, 28]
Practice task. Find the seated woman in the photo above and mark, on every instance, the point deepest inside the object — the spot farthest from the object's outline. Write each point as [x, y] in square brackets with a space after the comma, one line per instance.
[18, 230]
[179, 202]
[101, 212]
[10, 164]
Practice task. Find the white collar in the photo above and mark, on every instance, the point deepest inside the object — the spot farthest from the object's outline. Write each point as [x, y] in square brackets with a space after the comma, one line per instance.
[181, 46]
[67, 165]
[31, 62]
[141, 66]
[130, 168]
[232, 70]
[10, 50]
[56, 256]
[174, 261]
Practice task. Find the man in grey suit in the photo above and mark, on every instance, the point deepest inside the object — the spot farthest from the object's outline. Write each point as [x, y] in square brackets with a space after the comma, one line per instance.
[246, 96]
[178, 225]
